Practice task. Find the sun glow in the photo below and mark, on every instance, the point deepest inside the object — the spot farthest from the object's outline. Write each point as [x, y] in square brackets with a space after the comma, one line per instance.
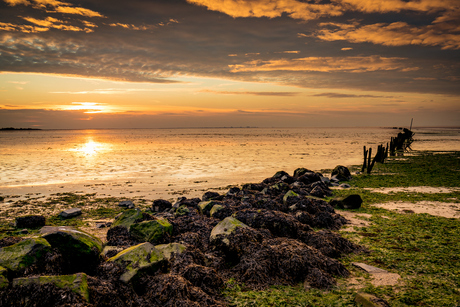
[90, 148]
[88, 107]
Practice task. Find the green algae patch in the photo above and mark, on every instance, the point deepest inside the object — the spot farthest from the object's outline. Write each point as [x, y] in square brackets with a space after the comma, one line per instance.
[128, 218]
[23, 254]
[143, 257]
[3, 278]
[151, 231]
[168, 249]
[76, 282]
[225, 228]
[288, 194]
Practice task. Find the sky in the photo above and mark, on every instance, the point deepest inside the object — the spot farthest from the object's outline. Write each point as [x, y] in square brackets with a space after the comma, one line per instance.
[229, 63]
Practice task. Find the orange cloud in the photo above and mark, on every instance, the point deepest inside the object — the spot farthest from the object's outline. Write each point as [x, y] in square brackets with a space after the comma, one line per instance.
[326, 64]
[271, 9]
[394, 34]
[58, 7]
[386, 6]
[50, 22]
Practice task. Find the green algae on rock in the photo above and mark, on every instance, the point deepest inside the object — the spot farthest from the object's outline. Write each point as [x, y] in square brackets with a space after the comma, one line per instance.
[151, 231]
[205, 206]
[128, 218]
[225, 228]
[76, 282]
[138, 258]
[288, 194]
[3, 278]
[168, 249]
[23, 254]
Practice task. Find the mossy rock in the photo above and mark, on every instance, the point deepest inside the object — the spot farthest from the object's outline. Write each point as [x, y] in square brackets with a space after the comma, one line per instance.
[168, 249]
[182, 210]
[215, 209]
[205, 206]
[151, 231]
[81, 251]
[225, 228]
[76, 282]
[127, 218]
[143, 257]
[21, 255]
[3, 278]
[288, 194]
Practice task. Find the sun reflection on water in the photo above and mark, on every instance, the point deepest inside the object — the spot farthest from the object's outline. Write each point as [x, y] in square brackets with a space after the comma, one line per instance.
[91, 148]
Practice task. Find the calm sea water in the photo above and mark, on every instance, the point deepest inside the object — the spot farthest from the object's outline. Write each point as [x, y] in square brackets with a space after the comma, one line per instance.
[31, 158]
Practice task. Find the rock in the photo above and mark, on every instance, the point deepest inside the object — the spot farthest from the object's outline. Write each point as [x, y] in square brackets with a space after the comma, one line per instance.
[143, 257]
[301, 171]
[110, 251]
[160, 205]
[215, 209]
[325, 180]
[151, 231]
[80, 250]
[225, 228]
[341, 172]
[318, 192]
[22, 255]
[309, 177]
[182, 210]
[205, 206]
[100, 225]
[23, 231]
[288, 195]
[69, 213]
[368, 268]
[369, 300]
[233, 191]
[345, 186]
[4, 283]
[353, 201]
[30, 221]
[168, 249]
[210, 196]
[126, 204]
[127, 218]
[76, 283]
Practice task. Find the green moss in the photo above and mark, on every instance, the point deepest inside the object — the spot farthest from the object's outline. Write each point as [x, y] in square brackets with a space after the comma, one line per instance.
[168, 249]
[205, 206]
[23, 254]
[128, 218]
[288, 194]
[151, 231]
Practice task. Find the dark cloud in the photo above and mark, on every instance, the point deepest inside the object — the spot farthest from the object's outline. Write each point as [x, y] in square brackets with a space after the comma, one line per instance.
[340, 95]
[251, 93]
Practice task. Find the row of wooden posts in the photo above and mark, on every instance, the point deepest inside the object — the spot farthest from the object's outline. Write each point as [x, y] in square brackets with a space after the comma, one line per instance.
[401, 143]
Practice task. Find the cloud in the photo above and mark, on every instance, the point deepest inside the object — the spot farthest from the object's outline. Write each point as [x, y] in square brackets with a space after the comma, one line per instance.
[293, 51]
[346, 49]
[56, 7]
[393, 34]
[251, 93]
[50, 22]
[325, 64]
[340, 95]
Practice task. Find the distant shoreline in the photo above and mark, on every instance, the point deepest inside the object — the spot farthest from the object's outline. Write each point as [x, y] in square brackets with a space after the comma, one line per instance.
[19, 129]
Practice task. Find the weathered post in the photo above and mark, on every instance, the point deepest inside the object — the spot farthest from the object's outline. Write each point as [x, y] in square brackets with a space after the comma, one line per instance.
[364, 163]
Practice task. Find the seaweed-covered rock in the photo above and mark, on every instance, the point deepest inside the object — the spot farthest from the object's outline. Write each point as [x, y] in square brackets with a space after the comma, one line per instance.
[160, 205]
[204, 277]
[80, 250]
[127, 218]
[222, 230]
[205, 206]
[342, 173]
[77, 283]
[211, 196]
[288, 195]
[10, 241]
[3, 278]
[30, 221]
[24, 254]
[353, 201]
[169, 249]
[143, 257]
[151, 231]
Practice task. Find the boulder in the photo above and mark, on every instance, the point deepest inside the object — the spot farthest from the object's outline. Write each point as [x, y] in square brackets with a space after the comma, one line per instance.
[140, 258]
[151, 231]
[126, 204]
[288, 195]
[225, 228]
[215, 209]
[182, 210]
[30, 221]
[210, 196]
[22, 255]
[205, 206]
[76, 283]
[300, 171]
[160, 205]
[233, 191]
[127, 218]
[69, 213]
[110, 251]
[341, 172]
[3, 278]
[80, 250]
[168, 249]
[353, 201]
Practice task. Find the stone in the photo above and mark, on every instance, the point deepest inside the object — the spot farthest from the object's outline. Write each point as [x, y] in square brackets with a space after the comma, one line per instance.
[224, 228]
[160, 205]
[23, 231]
[342, 173]
[353, 201]
[300, 171]
[325, 180]
[318, 191]
[233, 191]
[77, 283]
[4, 283]
[30, 221]
[80, 250]
[126, 204]
[23, 254]
[151, 231]
[140, 258]
[110, 251]
[205, 206]
[368, 268]
[69, 213]
[168, 249]
[369, 300]
[127, 218]
[344, 186]
[215, 209]
[288, 195]
[182, 210]
[211, 196]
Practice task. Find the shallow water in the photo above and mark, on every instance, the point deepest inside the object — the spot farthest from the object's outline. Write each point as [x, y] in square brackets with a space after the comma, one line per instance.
[185, 157]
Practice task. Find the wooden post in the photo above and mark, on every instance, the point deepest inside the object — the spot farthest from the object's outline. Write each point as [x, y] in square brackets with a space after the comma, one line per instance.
[364, 163]
[369, 160]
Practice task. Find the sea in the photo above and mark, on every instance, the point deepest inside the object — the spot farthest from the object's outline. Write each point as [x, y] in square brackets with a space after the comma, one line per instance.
[183, 159]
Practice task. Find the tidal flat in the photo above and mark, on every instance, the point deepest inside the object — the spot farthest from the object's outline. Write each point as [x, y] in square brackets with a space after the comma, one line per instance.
[419, 249]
